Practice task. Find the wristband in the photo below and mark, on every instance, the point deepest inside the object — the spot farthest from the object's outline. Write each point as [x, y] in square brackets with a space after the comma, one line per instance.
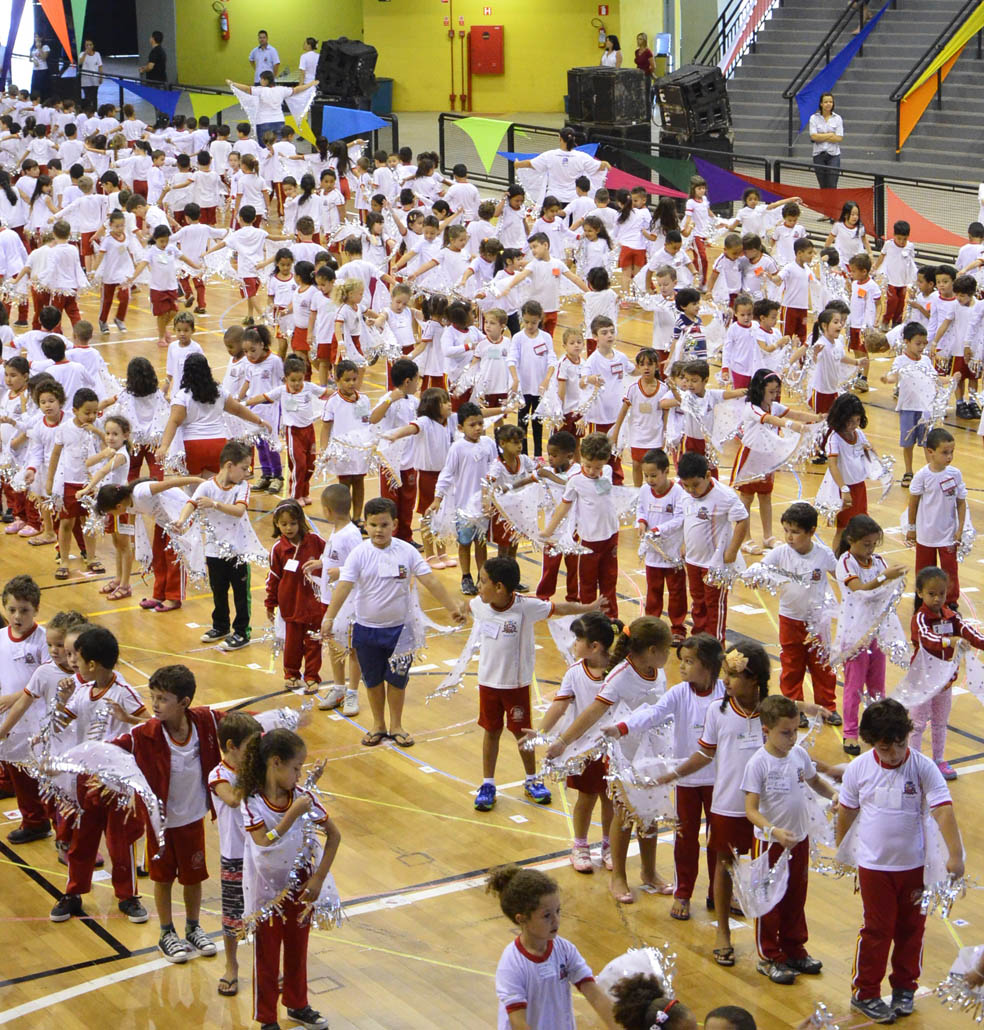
[272, 835]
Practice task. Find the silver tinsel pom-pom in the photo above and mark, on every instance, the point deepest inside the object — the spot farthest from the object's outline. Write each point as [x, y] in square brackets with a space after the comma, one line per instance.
[957, 995]
[822, 1018]
[940, 896]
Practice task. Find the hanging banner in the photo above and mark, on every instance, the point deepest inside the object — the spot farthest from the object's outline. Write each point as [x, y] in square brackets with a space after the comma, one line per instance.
[973, 25]
[55, 13]
[16, 10]
[676, 170]
[340, 122]
[915, 102]
[207, 105]
[616, 179]
[303, 130]
[723, 185]
[486, 134]
[165, 100]
[922, 229]
[78, 22]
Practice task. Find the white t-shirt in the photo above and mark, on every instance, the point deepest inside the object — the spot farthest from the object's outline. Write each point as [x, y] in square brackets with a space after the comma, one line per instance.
[229, 529]
[936, 516]
[308, 65]
[780, 784]
[908, 399]
[864, 303]
[796, 281]
[202, 421]
[848, 568]
[431, 443]
[297, 409]
[232, 838]
[848, 241]
[732, 738]
[20, 657]
[892, 803]
[850, 456]
[613, 371]
[647, 425]
[383, 575]
[271, 98]
[580, 685]
[700, 214]
[338, 547]
[899, 264]
[187, 801]
[466, 465]
[664, 513]
[593, 514]
[797, 600]
[785, 236]
[82, 707]
[626, 683]
[708, 522]
[741, 353]
[561, 168]
[540, 984]
[78, 444]
[506, 653]
[532, 356]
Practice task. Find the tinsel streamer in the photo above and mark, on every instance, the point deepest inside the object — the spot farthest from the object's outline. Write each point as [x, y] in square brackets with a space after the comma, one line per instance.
[268, 635]
[94, 524]
[653, 542]
[634, 765]
[451, 683]
[798, 377]
[580, 753]
[649, 960]
[819, 625]
[388, 459]
[726, 419]
[881, 471]
[771, 578]
[715, 329]
[380, 343]
[929, 389]
[944, 394]
[867, 615]
[926, 677]
[563, 638]
[248, 433]
[822, 1018]
[812, 732]
[967, 538]
[140, 436]
[758, 887]
[939, 896]
[464, 380]
[246, 550]
[833, 283]
[174, 464]
[770, 451]
[550, 408]
[344, 455]
[724, 576]
[955, 992]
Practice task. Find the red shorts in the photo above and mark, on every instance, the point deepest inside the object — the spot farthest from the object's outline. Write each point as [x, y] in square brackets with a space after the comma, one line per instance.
[182, 855]
[729, 831]
[85, 245]
[739, 381]
[758, 486]
[822, 402]
[299, 339]
[858, 505]
[629, 257]
[960, 365]
[115, 524]
[592, 780]
[202, 455]
[71, 508]
[426, 487]
[856, 343]
[509, 707]
[638, 453]
[326, 352]
[549, 323]
[163, 301]
[249, 286]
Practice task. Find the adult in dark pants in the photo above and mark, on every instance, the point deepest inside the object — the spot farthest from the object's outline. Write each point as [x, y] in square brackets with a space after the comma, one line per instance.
[90, 73]
[155, 70]
[40, 75]
[826, 132]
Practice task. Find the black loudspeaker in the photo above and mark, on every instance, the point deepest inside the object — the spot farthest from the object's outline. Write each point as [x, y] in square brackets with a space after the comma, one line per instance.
[617, 143]
[716, 148]
[610, 95]
[694, 101]
[346, 68]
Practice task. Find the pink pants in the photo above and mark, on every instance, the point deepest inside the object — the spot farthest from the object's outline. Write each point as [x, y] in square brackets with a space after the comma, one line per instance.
[865, 669]
[936, 712]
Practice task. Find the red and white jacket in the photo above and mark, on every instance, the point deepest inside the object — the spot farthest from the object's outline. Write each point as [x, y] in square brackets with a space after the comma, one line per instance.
[938, 634]
[287, 588]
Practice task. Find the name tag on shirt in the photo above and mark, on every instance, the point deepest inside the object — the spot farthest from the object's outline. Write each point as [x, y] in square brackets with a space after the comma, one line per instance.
[887, 797]
[862, 294]
[944, 629]
[777, 782]
[749, 741]
[603, 486]
[540, 349]
[490, 628]
[291, 565]
[645, 408]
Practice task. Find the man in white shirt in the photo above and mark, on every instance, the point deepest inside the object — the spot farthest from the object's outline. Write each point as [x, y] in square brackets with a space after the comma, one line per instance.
[263, 57]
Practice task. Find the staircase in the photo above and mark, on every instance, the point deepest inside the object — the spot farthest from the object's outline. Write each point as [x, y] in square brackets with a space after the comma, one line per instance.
[941, 145]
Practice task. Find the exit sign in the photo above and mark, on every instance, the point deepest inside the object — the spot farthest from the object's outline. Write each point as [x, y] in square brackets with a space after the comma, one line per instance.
[603, 8]
[486, 11]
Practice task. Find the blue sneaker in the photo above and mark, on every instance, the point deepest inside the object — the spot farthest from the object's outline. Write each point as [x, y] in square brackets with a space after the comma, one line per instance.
[536, 791]
[485, 798]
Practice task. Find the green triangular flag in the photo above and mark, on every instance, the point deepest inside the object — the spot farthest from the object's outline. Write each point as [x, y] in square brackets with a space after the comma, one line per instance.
[677, 171]
[78, 21]
[486, 134]
[209, 104]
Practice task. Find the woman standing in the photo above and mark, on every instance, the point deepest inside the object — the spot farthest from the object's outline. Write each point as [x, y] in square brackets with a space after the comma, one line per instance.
[270, 111]
[563, 165]
[826, 131]
[91, 69]
[644, 59]
[40, 76]
[612, 57]
[308, 62]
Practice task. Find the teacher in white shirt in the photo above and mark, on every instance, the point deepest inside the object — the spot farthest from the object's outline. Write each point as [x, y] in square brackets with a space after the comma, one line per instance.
[563, 165]
[263, 57]
[308, 63]
[40, 78]
[612, 55]
[270, 112]
[826, 132]
[91, 73]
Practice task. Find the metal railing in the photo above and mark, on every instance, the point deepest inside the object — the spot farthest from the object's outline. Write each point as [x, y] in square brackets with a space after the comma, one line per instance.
[822, 53]
[734, 33]
[927, 58]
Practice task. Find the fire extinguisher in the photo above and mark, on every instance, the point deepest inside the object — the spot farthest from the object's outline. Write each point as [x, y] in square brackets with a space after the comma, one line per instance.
[223, 19]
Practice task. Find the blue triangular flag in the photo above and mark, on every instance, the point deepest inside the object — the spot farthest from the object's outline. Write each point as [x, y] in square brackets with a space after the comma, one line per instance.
[588, 148]
[512, 155]
[339, 122]
[165, 100]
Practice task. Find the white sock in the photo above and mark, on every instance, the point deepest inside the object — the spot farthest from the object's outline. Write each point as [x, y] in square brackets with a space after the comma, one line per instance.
[488, 779]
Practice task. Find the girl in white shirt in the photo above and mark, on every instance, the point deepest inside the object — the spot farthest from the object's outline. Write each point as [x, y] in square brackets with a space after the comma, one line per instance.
[700, 219]
[595, 248]
[632, 231]
[848, 234]
[347, 294]
[847, 453]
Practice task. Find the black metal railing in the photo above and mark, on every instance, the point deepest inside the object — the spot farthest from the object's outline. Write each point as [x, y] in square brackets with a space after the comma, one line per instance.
[726, 29]
[821, 56]
[928, 56]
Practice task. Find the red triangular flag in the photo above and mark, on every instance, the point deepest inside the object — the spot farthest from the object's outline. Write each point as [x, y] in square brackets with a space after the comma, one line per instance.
[619, 180]
[922, 229]
[54, 11]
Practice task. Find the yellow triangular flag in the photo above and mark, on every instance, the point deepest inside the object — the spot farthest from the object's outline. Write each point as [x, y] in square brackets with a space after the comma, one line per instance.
[209, 104]
[486, 134]
[303, 130]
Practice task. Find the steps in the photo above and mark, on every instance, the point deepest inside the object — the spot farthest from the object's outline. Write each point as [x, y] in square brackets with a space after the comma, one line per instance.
[898, 41]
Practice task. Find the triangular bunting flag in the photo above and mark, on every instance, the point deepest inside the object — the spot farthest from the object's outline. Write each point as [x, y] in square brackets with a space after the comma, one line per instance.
[299, 104]
[206, 105]
[591, 149]
[303, 130]
[915, 102]
[513, 155]
[55, 13]
[619, 180]
[677, 171]
[78, 20]
[165, 100]
[922, 229]
[341, 122]
[486, 134]
[723, 185]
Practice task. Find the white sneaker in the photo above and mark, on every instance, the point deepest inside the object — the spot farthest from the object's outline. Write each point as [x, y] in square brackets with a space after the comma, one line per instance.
[333, 698]
[351, 704]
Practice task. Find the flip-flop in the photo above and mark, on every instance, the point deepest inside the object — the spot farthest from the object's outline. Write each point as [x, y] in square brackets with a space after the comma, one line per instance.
[62, 572]
[684, 913]
[374, 738]
[724, 956]
[401, 739]
[652, 888]
[95, 567]
[39, 541]
[624, 899]
[231, 986]
[311, 688]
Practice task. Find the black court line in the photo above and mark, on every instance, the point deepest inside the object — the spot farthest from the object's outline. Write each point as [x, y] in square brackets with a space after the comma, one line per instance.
[966, 758]
[28, 977]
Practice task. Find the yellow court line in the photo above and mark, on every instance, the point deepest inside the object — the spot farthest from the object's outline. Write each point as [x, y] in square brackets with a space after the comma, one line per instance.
[953, 932]
[333, 936]
[561, 787]
[188, 657]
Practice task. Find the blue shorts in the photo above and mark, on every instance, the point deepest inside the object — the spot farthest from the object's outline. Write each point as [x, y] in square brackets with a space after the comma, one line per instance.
[374, 647]
[911, 434]
[466, 532]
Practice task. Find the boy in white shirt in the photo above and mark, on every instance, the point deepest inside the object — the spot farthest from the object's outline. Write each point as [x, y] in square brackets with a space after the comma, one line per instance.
[786, 233]
[774, 783]
[889, 788]
[383, 568]
[796, 279]
[247, 242]
[544, 273]
[506, 659]
[462, 195]
[117, 255]
[908, 404]
[898, 260]
[193, 240]
[865, 306]
[965, 344]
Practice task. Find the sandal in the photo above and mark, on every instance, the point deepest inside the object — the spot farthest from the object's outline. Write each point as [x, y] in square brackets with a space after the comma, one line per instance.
[120, 593]
[109, 586]
[231, 986]
[311, 688]
[96, 567]
[770, 543]
[62, 572]
[751, 547]
[41, 541]
[374, 738]
[906, 480]
[680, 909]
[401, 739]
[658, 888]
[724, 956]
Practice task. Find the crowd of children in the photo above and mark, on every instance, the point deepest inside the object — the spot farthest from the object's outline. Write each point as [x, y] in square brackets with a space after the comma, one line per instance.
[495, 412]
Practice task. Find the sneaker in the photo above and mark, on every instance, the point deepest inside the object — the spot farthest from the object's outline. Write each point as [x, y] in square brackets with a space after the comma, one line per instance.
[276, 485]
[269, 1026]
[975, 409]
[804, 721]
[7, 516]
[234, 642]
[874, 1008]
[189, 300]
[862, 384]
[581, 859]
[25, 834]
[949, 773]
[820, 459]
[350, 706]
[173, 948]
[103, 328]
[834, 718]
[903, 1002]
[522, 589]
[201, 311]
[200, 940]
[468, 587]
[262, 483]
[852, 749]
[20, 325]
[808, 965]
[485, 798]
[120, 324]
[777, 972]
[962, 410]
[213, 635]
[142, 872]
[68, 905]
[307, 1017]
[133, 910]
[536, 791]
[15, 526]
[333, 698]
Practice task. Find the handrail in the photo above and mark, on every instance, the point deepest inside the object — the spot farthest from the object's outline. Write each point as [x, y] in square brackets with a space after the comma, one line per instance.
[927, 58]
[822, 50]
[728, 27]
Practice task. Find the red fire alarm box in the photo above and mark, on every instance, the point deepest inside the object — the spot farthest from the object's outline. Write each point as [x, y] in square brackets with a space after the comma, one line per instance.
[486, 50]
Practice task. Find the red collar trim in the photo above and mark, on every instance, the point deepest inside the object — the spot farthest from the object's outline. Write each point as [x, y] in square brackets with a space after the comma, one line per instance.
[740, 711]
[642, 675]
[16, 639]
[276, 808]
[174, 740]
[878, 761]
[535, 958]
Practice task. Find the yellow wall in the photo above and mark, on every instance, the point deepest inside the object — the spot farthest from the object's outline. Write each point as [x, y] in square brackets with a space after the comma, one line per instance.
[205, 60]
[637, 16]
[543, 38]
